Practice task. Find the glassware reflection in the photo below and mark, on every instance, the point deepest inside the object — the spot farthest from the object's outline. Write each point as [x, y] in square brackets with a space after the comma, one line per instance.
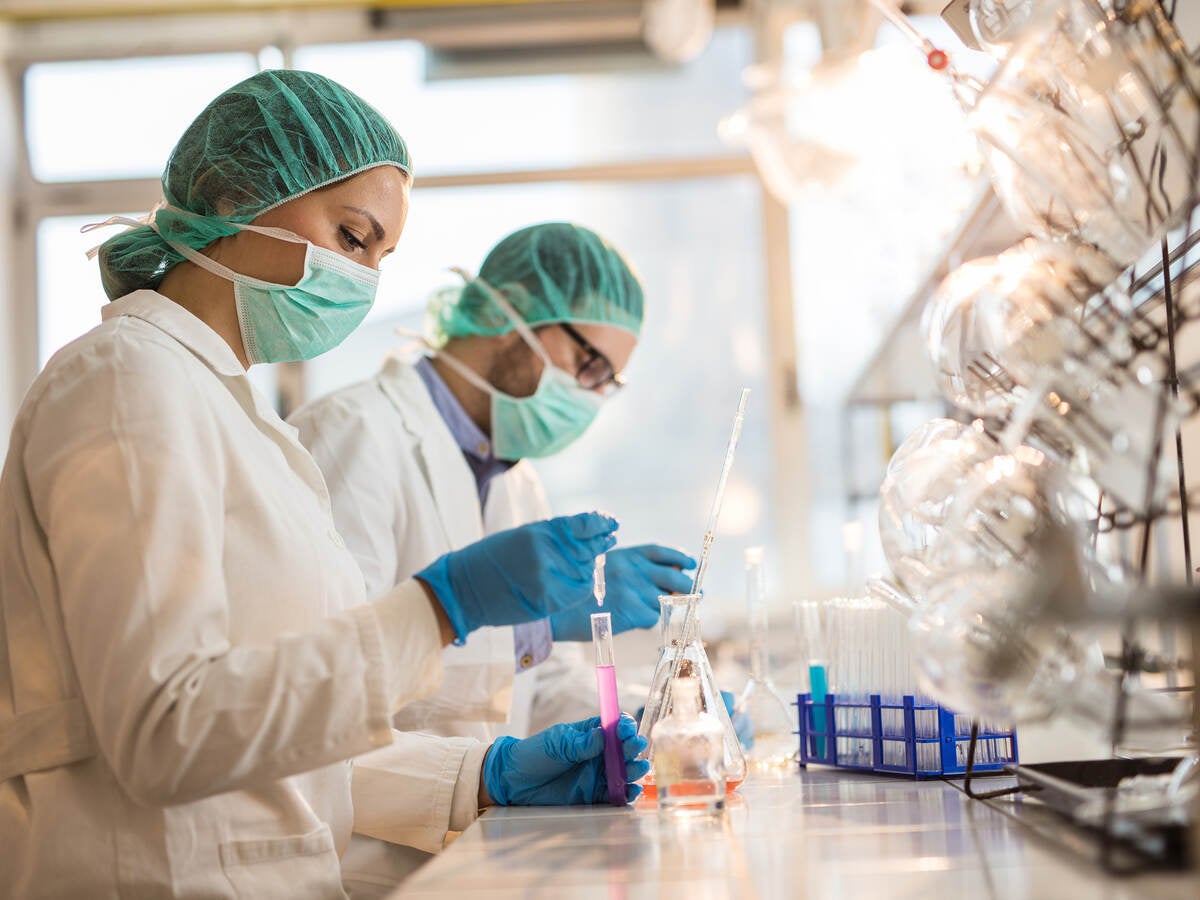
[1039, 337]
[997, 24]
[1090, 128]
[996, 324]
[918, 490]
[986, 647]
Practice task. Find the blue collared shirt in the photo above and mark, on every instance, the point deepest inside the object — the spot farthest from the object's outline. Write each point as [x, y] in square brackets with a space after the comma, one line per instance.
[533, 641]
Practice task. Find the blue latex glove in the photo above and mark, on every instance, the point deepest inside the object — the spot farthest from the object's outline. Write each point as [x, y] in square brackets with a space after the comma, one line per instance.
[634, 577]
[522, 574]
[743, 727]
[561, 766]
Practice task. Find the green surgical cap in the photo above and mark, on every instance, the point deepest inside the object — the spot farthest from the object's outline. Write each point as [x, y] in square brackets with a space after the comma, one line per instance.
[553, 272]
[273, 137]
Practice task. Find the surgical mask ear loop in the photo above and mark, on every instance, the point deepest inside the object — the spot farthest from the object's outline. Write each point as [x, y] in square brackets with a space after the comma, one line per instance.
[189, 253]
[430, 351]
[470, 374]
[417, 336]
[457, 365]
[519, 324]
[147, 219]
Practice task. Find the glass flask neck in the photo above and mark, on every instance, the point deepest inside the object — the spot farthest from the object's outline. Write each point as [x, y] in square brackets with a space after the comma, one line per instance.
[685, 694]
[673, 616]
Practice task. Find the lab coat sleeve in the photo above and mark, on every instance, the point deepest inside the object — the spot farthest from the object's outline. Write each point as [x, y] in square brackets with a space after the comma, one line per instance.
[128, 479]
[363, 482]
[533, 643]
[416, 790]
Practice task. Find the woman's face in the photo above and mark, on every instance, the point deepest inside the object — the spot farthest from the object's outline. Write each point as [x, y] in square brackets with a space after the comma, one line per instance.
[360, 217]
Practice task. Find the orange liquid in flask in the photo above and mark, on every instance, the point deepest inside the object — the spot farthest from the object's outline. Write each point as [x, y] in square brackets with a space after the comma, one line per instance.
[650, 789]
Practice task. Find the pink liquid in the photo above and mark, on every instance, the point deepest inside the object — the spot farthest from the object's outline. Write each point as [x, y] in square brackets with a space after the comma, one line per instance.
[610, 713]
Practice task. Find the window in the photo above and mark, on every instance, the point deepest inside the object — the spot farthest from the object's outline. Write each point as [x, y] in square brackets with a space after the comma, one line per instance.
[69, 292]
[100, 119]
[530, 122]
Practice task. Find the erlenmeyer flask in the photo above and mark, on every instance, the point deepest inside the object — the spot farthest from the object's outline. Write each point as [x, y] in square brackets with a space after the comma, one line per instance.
[673, 611]
[771, 743]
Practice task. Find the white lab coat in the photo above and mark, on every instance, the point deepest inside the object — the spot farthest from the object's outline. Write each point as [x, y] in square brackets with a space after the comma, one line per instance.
[186, 655]
[402, 496]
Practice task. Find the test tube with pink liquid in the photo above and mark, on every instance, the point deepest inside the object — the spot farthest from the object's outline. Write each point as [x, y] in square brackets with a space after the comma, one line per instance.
[610, 709]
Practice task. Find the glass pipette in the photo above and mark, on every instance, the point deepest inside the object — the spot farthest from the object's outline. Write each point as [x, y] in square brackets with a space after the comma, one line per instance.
[710, 531]
[598, 586]
[610, 708]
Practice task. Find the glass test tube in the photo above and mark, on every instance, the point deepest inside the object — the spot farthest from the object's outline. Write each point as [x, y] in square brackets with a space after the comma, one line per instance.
[815, 650]
[610, 708]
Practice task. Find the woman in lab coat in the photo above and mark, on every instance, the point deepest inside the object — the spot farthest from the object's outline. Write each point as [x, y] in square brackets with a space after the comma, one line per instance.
[187, 659]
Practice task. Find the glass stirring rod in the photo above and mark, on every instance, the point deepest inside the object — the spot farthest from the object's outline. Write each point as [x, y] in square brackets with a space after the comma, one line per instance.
[710, 530]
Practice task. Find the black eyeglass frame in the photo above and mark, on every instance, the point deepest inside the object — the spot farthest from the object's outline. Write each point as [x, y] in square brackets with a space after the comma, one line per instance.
[605, 377]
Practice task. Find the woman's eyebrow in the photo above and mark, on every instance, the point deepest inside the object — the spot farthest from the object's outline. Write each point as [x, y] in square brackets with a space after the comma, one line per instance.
[375, 226]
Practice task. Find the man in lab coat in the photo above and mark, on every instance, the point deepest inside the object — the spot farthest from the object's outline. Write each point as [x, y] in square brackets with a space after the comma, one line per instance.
[424, 458]
[427, 457]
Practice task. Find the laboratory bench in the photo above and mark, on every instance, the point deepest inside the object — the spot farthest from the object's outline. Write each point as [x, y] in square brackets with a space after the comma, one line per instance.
[815, 834]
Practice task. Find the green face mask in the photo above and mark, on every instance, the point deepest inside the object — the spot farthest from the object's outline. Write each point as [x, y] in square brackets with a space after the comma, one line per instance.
[285, 323]
[554, 416]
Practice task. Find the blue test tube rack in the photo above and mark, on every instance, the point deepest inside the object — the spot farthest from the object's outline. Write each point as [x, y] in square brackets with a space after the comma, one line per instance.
[819, 732]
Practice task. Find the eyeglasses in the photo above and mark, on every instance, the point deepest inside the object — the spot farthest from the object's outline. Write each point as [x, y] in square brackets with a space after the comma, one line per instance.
[596, 373]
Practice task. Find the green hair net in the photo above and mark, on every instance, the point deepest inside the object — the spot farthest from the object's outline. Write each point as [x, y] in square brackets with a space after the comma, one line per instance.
[553, 272]
[273, 137]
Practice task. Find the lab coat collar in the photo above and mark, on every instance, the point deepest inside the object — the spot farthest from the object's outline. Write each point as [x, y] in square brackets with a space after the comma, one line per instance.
[165, 313]
[210, 348]
[466, 433]
[475, 445]
[447, 475]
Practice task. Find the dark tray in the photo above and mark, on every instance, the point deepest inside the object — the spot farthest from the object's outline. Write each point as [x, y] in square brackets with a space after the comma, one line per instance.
[1064, 786]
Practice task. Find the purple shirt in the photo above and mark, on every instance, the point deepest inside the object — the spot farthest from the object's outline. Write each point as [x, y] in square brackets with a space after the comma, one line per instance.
[533, 641]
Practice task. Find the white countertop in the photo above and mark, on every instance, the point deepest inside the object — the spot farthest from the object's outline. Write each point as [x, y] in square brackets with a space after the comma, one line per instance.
[820, 834]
